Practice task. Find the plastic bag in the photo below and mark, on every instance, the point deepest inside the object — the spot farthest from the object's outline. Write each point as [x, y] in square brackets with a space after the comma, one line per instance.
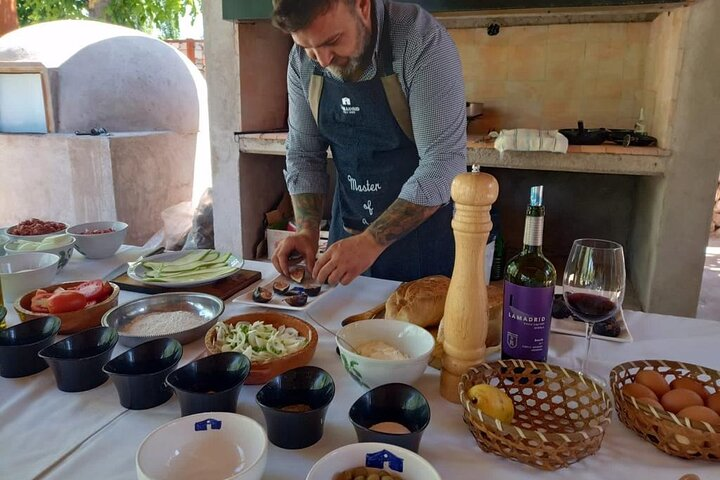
[202, 233]
[177, 221]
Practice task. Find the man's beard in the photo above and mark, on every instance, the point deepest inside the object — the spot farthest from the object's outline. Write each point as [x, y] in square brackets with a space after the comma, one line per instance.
[358, 61]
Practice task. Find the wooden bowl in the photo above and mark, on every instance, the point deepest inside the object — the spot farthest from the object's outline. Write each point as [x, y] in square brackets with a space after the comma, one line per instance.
[560, 416]
[674, 435]
[262, 372]
[71, 322]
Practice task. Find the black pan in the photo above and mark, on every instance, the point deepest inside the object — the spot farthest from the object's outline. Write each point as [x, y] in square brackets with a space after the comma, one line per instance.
[583, 136]
[629, 138]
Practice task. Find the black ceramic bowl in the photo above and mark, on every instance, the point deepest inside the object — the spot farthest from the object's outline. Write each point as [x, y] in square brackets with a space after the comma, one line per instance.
[294, 404]
[211, 384]
[77, 360]
[139, 373]
[20, 344]
[393, 402]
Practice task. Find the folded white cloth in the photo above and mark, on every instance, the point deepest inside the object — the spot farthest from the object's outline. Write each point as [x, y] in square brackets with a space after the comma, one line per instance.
[530, 140]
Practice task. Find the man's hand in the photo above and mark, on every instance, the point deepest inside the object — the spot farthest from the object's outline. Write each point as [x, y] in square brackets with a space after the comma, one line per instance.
[345, 259]
[305, 243]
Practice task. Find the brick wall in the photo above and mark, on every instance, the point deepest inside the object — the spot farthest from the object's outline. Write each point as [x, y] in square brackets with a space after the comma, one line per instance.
[551, 76]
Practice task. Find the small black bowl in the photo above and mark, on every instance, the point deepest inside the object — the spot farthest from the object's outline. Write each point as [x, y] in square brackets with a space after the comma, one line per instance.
[139, 373]
[77, 361]
[20, 344]
[393, 402]
[211, 384]
[294, 404]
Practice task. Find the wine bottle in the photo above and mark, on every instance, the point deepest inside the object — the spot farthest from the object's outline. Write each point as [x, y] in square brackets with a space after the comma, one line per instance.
[529, 290]
[497, 271]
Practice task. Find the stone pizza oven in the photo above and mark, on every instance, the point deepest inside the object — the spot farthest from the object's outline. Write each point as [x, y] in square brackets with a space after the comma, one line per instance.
[147, 95]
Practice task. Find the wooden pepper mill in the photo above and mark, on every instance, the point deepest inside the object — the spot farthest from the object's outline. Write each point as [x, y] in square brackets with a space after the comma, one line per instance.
[465, 322]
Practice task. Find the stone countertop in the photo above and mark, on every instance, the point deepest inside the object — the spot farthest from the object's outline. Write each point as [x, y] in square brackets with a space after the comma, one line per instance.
[605, 159]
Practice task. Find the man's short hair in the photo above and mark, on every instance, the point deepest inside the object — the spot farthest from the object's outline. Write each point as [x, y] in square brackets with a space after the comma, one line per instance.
[293, 15]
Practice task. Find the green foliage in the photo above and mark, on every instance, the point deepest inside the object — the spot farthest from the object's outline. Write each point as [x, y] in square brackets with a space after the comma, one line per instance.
[144, 15]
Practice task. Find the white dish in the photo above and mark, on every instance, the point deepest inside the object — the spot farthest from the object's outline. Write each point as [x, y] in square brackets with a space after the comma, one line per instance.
[136, 270]
[277, 300]
[412, 340]
[23, 272]
[398, 460]
[208, 446]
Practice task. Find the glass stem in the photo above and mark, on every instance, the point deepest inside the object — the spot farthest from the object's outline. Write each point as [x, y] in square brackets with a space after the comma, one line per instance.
[588, 337]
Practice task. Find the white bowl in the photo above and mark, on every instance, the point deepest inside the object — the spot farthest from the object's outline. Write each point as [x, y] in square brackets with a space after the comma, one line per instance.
[412, 340]
[207, 446]
[23, 272]
[64, 251]
[99, 245]
[414, 467]
[3, 240]
[33, 238]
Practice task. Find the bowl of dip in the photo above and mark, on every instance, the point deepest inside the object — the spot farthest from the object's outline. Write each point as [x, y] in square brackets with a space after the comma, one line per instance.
[379, 351]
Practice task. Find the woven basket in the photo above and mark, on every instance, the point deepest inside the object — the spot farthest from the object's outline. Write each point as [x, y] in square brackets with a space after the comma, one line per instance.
[674, 435]
[560, 416]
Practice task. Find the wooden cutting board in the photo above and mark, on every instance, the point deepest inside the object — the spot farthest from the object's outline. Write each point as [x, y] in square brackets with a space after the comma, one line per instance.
[223, 289]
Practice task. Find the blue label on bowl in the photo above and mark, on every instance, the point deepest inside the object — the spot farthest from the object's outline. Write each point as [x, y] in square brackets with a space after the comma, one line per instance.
[210, 422]
[378, 460]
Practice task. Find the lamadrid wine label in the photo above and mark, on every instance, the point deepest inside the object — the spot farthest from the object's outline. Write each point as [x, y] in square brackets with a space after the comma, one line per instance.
[527, 313]
[533, 231]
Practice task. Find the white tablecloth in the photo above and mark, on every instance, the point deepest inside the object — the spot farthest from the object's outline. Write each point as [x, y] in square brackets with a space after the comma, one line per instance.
[45, 433]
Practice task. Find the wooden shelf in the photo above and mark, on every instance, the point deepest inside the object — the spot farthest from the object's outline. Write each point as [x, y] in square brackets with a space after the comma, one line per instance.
[602, 159]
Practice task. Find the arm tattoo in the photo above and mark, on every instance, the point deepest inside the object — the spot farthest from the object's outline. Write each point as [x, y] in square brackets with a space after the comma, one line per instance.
[308, 209]
[400, 218]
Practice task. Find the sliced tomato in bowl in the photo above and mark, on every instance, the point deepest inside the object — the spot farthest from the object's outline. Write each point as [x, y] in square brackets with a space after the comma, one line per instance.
[39, 301]
[66, 301]
[92, 290]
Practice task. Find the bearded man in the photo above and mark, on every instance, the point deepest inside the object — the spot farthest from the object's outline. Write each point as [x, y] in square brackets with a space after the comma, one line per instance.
[380, 83]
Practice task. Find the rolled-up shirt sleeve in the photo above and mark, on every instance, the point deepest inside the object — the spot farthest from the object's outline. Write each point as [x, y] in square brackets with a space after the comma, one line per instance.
[306, 161]
[436, 96]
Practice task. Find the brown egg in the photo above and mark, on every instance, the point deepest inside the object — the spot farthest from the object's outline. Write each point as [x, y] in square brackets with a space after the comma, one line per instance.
[701, 414]
[638, 391]
[650, 401]
[713, 402]
[690, 384]
[654, 381]
[675, 400]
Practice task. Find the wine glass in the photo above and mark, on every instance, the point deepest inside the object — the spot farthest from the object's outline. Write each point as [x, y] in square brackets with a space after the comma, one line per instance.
[594, 283]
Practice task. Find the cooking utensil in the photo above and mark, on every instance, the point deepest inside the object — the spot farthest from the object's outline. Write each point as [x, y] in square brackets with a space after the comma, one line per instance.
[629, 138]
[584, 136]
[473, 110]
[375, 312]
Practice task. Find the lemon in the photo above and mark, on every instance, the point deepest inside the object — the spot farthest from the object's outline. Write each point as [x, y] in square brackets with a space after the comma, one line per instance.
[492, 401]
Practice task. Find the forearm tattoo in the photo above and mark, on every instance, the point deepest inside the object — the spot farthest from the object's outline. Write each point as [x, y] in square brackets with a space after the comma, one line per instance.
[400, 218]
[308, 209]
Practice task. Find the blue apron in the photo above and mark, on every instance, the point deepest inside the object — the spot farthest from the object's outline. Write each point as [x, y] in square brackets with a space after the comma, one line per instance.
[374, 158]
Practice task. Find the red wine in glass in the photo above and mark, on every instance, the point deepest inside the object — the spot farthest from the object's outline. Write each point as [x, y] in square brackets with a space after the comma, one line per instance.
[591, 308]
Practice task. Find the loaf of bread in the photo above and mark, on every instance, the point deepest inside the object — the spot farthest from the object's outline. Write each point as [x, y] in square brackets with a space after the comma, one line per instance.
[421, 302]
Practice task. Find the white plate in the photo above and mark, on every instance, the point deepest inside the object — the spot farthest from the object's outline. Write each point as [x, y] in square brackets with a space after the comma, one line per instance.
[569, 326]
[136, 271]
[246, 298]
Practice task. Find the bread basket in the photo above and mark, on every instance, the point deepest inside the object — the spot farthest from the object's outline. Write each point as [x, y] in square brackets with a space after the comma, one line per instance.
[674, 435]
[560, 415]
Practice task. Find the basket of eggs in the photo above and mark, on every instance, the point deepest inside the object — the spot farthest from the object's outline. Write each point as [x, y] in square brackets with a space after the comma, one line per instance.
[539, 414]
[673, 405]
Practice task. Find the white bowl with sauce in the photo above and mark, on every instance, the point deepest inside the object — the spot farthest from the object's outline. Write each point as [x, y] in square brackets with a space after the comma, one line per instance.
[411, 340]
[208, 446]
